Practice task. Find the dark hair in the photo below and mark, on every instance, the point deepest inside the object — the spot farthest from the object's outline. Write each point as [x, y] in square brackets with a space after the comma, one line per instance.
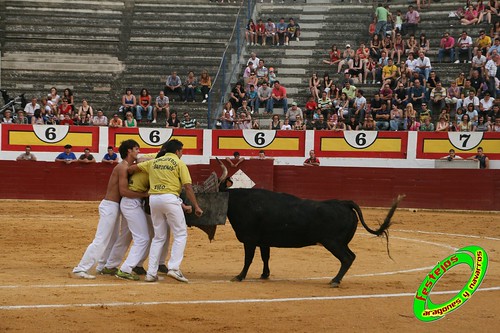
[144, 90]
[125, 146]
[70, 93]
[236, 154]
[172, 146]
[110, 147]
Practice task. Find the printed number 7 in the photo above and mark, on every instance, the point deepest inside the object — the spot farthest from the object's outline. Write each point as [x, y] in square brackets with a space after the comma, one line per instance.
[466, 137]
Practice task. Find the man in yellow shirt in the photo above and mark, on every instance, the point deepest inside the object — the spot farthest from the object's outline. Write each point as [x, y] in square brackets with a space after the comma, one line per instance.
[167, 176]
[389, 74]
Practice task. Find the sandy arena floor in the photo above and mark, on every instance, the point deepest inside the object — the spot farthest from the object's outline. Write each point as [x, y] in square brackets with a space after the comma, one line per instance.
[40, 242]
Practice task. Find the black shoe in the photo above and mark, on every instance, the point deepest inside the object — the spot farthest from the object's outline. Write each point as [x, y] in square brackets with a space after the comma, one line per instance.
[139, 270]
[163, 269]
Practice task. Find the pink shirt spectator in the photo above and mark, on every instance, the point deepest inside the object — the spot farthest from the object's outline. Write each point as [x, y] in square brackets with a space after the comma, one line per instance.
[412, 17]
[447, 43]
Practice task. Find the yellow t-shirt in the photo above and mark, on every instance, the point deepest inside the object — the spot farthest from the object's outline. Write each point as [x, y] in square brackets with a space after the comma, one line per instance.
[389, 70]
[483, 42]
[167, 174]
[139, 182]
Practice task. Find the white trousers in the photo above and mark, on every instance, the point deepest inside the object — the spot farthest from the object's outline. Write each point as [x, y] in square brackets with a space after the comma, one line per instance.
[117, 247]
[109, 213]
[132, 210]
[166, 213]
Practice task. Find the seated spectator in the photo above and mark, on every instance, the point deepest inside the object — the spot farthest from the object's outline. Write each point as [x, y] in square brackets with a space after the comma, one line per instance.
[446, 47]
[262, 74]
[173, 121]
[311, 107]
[189, 123]
[357, 68]
[340, 126]
[471, 16]
[465, 125]
[254, 61]
[111, 157]
[244, 108]
[496, 126]
[275, 123]
[352, 123]
[100, 119]
[250, 33]
[271, 37]
[423, 43]
[443, 124]
[382, 118]
[53, 96]
[472, 112]
[85, 109]
[370, 67]
[464, 47]
[375, 47]
[412, 45]
[368, 125]
[484, 161]
[486, 105]
[129, 121]
[478, 62]
[396, 119]
[7, 117]
[424, 113]
[359, 107]
[67, 156]
[399, 47]
[334, 56]
[173, 84]
[251, 97]
[413, 124]
[386, 95]
[350, 91]
[312, 160]
[437, 98]
[27, 155]
[423, 65]
[342, 105]
[129, 102]
[264, 97]
[320, 123]
[409, 113]
[37, 118]
[205, 84]
[292, 31]
[411, 21]
[190, 85]
[260, 33]
[68, 94]
[252, 81]
[21, 119]
[417, 95]
[299, 125]
[427, 126]
[325, 103]
[65, 108]
[482, 125]
[116, 121]
[293, 113]
[66, 120]
[237, 95]
[400, 96]
[86, 157]
[236, 160]
[161, 104]
[281, 32]
[286, 125]
[387, 45]
[144, 105]
[347, 58]
[243, 120]
[279, 97]
[495, 48]
[452, 96]
[272, 76]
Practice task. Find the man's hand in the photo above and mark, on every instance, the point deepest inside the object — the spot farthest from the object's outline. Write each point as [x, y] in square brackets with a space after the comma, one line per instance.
[198, 211]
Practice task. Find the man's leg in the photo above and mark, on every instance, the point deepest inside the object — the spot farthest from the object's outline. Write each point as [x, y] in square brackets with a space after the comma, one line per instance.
[177, 223]
[158, 210]
[138, 113]
[120, 247]
[285, 105]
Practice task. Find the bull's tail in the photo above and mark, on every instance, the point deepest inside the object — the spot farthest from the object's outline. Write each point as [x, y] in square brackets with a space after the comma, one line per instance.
[383, 229]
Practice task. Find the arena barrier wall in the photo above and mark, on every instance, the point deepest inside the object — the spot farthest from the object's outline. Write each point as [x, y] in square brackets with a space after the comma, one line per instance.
[374, 187]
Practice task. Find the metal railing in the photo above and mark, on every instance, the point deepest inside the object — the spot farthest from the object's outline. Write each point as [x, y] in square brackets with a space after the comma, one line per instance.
[229, 67]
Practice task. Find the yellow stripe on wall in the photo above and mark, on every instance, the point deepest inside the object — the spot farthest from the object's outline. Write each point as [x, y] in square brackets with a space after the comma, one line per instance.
[380, 145]
[277, 144]
[190, 142]
[29, 138]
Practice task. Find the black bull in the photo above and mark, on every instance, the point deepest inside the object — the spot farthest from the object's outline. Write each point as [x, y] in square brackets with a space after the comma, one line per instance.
[267, 219]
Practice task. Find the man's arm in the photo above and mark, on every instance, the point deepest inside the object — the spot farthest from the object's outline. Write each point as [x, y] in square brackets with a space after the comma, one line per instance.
[192, 198]
[123, 185]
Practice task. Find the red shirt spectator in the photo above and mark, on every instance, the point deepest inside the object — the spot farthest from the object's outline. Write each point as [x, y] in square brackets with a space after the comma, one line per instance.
[65, 108]
[279, 91]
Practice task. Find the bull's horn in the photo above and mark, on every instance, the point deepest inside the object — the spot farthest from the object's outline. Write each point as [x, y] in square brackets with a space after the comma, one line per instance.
[224, 171]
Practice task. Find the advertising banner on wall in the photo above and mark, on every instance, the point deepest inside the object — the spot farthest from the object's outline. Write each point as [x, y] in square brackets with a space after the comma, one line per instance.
[249, 142]
[434, 145]
[365, 144]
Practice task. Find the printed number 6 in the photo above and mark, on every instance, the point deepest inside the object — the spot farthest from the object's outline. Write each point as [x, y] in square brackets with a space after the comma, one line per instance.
[50, 133]
[154, 136]
[361, 139]
[259, 138]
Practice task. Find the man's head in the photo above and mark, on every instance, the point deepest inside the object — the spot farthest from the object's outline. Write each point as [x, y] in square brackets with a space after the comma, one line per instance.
[100, 113]
[294, 105]
[186, 116]
[33, 101]
[173, 146]
[86, 151]
[277, 84]
[417, 83]
[262, 154]
[27, 149]
[236, 155]
[67, 149]
[480, 151]
[312, 154]
[111, 151]
[128, 147]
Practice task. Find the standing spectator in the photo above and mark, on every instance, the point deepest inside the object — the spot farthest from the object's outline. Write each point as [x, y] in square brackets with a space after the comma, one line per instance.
[260, 30]
[206, 84]
[173, 84]
[281, 32]
[144, 105]
[190, 87]
[423, 65]
[250, 33]
[412, 19]
[111, 157]
[464, 45]
[279, 97]
[129, 121]
[484, 161]
[293, 113]
[264, 97]
[271, 37]
[381, 15]
[446, 46]
[312, 160]
[86, 157]
[161, 103]
[292, 31]
[189, 123]
[116, 122]
[27, 155]
[100, 119]
[173, 121]
[67, 156]
[29, 109]
[129, 102]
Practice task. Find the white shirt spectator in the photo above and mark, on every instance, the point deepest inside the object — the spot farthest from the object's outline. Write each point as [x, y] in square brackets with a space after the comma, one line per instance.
[424, 62]
[411, 64]
[464, 43]
[255, 62]
[468, 100]
[29, 109]
[487, 104]
[479, 62]
[491, 68]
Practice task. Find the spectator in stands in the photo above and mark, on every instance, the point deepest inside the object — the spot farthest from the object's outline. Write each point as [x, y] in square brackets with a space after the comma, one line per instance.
[381, 15]
[85, 109]
[387, 44]
[116, 121]
[417, 95]
[496, 126]
[411, 21]
[144, 105]
[382, 118]
[325, 104]
[286, 125]
[346, 78]
[279, 97]
[482, 126]
[494, 47]
[293, 113]
[424, 113]
[368, 125]
[398, 47]
[437, 98]
[396, 118]
[334, 56]
[490, 72]
[66, 120]
[37, 118]
[464, 46]
[254, 60]
[375, 47]
[370, 68]
[54, 97]
[292, 31]
[320, 124]
[311, 107]
[486, 105]
[281, 32]
[251, 97]
[451, 156]
[349, 90]
[470, 17]
[357, 68]
[129, 121]
[452, 96]
[237, 95]
[262, 73]
[359, 107]
[173, 121]
[244, 107]
[413, 124]
[252, 81]
[423, 65]
[483, 43]
[427, 126]
[484, 161]
[352, 123]
[189, 123]
[342, 105]
[472, 112]
[272, 76]
[332, 121]
[65, 108]
[67, 156]
[111, 157]
[347, 58]
[100, 119]
[21, 119]
[161, 103]
[471, 99]
[236, 160]
[250, 33]
[411, 64]
[314, 85]
[68, 94]
[261, 33]
[465, 125]
[412, 45]
[27, 155]
[271, 37]
[443, 124]
[389, 74]
[327, 85]
[190, 85]
[205, 84]
[264, 94]
[244, 120]
[173, 84]
[275, 123]
[86, 157]
[312, 160]
[7, 117]
[423, 43]
[446, 47]
[400, 96]
[386, 95]
[129, 102]
[29, 109]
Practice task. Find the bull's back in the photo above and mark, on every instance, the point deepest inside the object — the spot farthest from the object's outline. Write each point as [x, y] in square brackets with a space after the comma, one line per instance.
[265, 218]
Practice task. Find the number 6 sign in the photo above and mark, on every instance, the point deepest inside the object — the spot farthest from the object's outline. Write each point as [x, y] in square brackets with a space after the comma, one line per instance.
[51, 133]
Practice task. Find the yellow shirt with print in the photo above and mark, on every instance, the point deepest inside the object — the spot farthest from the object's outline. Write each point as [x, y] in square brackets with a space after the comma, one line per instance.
[167, 174]
[388, 71]
[139, 182]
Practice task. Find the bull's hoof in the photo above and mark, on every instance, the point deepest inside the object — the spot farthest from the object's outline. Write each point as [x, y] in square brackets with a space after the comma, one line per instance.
[237, 278]
[264, 277]
[334, 284]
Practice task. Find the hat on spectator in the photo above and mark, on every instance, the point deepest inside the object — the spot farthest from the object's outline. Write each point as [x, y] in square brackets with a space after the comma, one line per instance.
[348, 45]
[294, 104]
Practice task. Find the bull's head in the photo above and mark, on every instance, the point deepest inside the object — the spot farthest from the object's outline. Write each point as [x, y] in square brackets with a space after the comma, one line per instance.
[224, 181]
